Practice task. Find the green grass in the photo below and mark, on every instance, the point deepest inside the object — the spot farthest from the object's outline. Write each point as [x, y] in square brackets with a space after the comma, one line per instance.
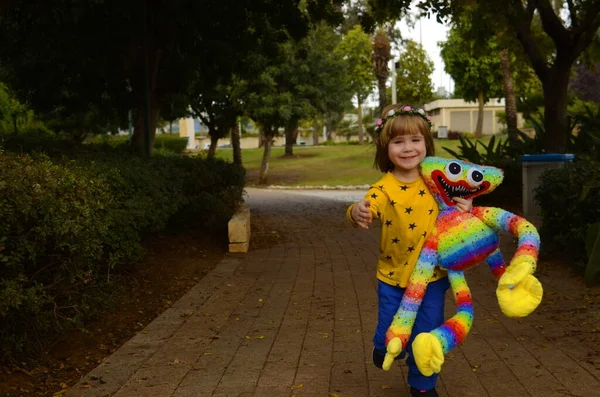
[342, 165]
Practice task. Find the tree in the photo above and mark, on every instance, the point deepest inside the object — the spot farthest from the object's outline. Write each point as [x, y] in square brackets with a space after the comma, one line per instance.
[474, 68]
[217, 112]
[327, 86]
[413, 81]
[356, 50]
[139, 54]
[586, 82]
[381, 56]
[570, 37]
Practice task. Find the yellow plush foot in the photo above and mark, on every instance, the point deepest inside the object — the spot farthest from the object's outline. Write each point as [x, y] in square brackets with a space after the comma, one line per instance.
[519, 300]
[394, 347]
[518, 292]
[428, 354]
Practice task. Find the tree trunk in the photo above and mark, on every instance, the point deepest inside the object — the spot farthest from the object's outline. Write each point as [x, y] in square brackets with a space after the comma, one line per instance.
[264, 166]
[170, 127]
[361, 131]
[315, 132]
[556, 123]
[381, 57]
[138, 140]
[261, 139]
[291, 132]
[236, 145]
[213, 145]
[479, 127]
[510, 98]
[382, 94]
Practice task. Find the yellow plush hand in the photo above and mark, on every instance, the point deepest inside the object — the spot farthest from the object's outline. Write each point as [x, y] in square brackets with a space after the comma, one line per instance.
[428, 354]
[394, 347]
[519, 293]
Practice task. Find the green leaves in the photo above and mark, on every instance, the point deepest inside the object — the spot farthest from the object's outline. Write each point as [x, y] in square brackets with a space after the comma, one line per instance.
[474, 67]
[592, 245]
[356, 50]
[493, 153]
[70, 223]
[413, 81]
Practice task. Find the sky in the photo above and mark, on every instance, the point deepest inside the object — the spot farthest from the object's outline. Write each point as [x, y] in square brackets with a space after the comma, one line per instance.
[428, 34]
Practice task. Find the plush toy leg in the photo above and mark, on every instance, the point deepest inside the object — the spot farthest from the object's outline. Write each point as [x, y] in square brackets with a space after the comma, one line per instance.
[429, 348]
[399, 331]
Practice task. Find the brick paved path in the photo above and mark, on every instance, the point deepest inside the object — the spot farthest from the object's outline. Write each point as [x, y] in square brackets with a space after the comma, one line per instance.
[295, 316]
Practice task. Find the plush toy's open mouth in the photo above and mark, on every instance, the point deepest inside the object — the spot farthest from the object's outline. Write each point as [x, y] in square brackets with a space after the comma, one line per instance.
[461, 188]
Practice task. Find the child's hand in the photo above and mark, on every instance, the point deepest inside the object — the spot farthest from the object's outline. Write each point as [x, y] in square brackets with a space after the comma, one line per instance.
[463, 205]
[361, 214]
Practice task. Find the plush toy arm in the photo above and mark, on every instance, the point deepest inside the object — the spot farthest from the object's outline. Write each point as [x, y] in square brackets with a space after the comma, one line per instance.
[518, 292]
[528, 244]
[399, 331]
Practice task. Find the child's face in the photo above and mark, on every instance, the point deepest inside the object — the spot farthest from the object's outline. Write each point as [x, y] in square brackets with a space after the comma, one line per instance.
[407, 152]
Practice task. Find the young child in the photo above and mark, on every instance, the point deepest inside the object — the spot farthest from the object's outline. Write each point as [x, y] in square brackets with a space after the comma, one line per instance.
[407, 211]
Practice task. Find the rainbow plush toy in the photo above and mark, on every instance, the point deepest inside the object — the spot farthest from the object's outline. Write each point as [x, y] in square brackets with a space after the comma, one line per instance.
[460, 241]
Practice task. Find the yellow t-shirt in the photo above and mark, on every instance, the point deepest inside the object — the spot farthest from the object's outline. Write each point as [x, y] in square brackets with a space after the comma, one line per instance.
[408, 213]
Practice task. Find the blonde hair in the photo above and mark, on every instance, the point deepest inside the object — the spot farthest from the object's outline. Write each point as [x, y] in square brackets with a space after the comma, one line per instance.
[403, 124]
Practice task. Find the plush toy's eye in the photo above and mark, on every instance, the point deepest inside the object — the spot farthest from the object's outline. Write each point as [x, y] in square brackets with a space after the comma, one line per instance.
[453, 171]
[475, 177]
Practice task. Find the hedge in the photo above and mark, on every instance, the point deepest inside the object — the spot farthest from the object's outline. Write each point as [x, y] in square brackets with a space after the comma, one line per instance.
[71, 222]
[568, 207]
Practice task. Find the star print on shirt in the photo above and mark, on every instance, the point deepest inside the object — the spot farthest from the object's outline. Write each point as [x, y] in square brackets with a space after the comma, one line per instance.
[388, 223]
[378, 214]
[395, 240]
[408, 210]
[410, 249]
[421, 193]
[404, 187]
[374, 196]
[393, 203]
[431, 211]
[380, 187]
[388, 257]
[390, 274]
[412, 226]
[406, 263]
[424, 234]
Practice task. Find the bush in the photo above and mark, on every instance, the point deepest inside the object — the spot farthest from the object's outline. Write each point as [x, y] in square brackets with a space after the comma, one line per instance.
[36, 137]
[346, 143]
[171, 143]
[569, 198]
[162, 142]
[454, 134]
[69, 223]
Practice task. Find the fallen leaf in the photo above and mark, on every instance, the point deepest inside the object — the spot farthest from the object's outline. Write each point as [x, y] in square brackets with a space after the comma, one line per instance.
[385, 387]
[298, 386]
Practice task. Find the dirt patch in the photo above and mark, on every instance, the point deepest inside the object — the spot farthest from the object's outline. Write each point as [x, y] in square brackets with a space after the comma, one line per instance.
[171, 266]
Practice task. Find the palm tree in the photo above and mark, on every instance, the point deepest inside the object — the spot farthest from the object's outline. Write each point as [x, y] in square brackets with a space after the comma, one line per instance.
[381, 57]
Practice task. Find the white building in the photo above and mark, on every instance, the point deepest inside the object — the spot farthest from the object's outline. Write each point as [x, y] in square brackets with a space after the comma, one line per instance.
[459, 115]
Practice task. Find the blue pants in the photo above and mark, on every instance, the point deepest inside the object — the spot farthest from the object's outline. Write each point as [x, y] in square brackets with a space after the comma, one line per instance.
[429, 317]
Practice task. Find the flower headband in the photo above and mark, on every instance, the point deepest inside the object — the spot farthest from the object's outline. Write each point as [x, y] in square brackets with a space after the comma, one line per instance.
[404, 110]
